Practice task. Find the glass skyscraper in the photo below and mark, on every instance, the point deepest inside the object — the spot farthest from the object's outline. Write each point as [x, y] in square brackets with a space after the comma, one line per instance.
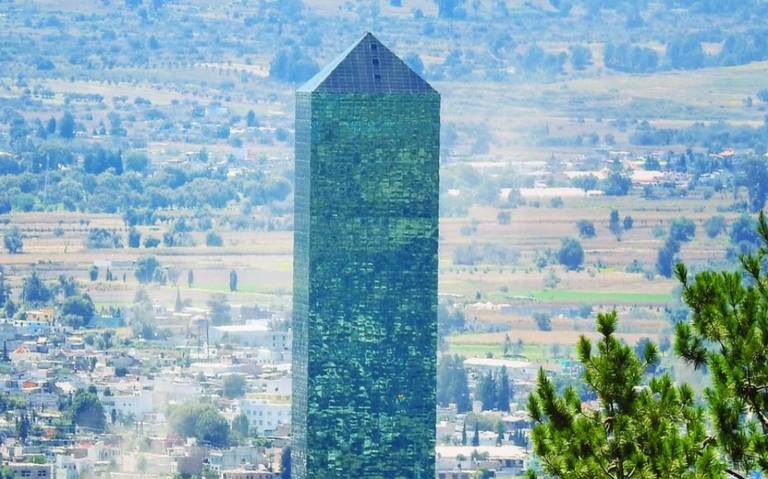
[365, 270]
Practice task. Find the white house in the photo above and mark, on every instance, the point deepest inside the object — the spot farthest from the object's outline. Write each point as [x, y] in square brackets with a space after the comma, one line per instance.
[517, 370]
[256, 334]
[264, 414]
[133, 403]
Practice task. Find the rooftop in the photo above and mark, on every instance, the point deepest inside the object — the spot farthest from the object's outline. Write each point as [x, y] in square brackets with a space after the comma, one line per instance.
[367, 67]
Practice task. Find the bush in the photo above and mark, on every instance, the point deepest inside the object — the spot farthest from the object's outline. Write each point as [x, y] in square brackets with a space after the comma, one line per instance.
[134, 238]
[213, 239]
[586, 229]
[714, 226]
[682, 230]
[543, 321]
[571, 254]
[13, 241]
[100, 238]
[151, 242]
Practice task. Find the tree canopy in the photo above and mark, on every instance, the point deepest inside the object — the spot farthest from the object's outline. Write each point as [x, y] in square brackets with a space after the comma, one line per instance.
[87, 411]
[728, 334]
[202, 421]
[640, 427]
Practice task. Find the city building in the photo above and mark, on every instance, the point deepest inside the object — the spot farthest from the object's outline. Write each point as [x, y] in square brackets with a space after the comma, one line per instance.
[265, 415]
[29, 470]
[365, 269]
[255, 333]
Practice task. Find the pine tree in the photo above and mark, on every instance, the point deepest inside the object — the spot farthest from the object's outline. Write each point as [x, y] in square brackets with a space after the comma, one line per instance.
[640, 429]
[506, 346]
[444, 377]
[728, 334]
[499, 432]
[179, 303]
[504, 391]
[464, 434]
[233, 280]
[452, 383]
[487, 391]
[614, 223]
[190, 278]
[476, 436]
[22, 428]
[461, 388]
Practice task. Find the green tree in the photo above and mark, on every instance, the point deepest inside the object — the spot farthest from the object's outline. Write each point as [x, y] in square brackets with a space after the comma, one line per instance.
[93, 273]
[586, 229]
[145, 268]
[665, 260]
[34, 291]
[464, 434]
[504, 390]
[754, 175]
[250, 119]
[87, 411]
[67, 126]
[292, 65]
[487, 391]
[77, 311]
[614, 223]
[728, 333]
[586, 182]
[240, 425]
[476, 435]
[22, 428]
[220, 309]
[13, 241]
[179, 303]
[450, 8]
[506, 346]
[213, 239]
[233, 280]
[452, 383]
[581, 57]
[134, 238]
[285, 463]
[233, 386]
[500, 430]
[618, 182]
[571, 254]
[714, 226]
[190, 278]
[200, 420]
[543, 321]
[643, 429]
[151, 242]
[212, 429]
[682, 230]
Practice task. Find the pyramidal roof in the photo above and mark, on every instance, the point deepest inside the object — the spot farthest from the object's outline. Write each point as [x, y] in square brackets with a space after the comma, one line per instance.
[367, 67]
